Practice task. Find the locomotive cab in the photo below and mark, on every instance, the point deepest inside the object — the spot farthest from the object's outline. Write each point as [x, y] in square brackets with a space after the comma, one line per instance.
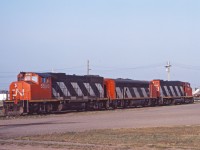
[187, 89]
[31, 86]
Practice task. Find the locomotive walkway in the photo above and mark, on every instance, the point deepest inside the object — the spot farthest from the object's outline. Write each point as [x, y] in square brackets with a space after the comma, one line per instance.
[122, 118]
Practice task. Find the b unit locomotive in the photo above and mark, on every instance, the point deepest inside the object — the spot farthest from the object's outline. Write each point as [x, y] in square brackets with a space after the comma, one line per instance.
[126, 92]
[49, 92]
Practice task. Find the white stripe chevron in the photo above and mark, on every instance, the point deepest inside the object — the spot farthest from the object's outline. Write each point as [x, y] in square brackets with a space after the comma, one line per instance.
[99, 86]
[136, 92]
[166, 90]
[161, 92]
[171, 88]
[100, 89]
[177, 90]
[55, 93]
[64, 88]
[89, 89]
[144, 92]
[77, 88]
[182, 91]
[128, 92]
[119, 92]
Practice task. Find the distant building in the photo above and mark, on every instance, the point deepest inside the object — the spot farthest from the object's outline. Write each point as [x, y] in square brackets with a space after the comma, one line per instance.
[3, 95]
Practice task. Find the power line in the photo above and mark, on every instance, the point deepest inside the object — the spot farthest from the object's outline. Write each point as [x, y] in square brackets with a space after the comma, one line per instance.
[7, 76]
[187, 67]
[61, 69]
[8, 72]
[129, 68]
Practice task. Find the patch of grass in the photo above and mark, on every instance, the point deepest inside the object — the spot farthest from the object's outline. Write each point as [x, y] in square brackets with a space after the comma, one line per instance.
[184, 137]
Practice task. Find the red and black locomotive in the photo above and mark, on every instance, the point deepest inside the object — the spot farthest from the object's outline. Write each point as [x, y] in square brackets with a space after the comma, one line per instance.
[48, 92]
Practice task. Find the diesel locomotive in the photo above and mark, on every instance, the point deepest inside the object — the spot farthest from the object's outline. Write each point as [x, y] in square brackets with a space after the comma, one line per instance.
[55, 92]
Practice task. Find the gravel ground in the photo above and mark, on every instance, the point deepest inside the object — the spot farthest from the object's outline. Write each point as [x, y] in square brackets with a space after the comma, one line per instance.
[81, 121]
[166, 116]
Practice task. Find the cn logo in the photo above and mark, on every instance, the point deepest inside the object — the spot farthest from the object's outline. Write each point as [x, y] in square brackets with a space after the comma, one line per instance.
[20, 93]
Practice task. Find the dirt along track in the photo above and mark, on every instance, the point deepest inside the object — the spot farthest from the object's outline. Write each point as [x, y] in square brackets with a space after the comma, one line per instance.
[121, 118]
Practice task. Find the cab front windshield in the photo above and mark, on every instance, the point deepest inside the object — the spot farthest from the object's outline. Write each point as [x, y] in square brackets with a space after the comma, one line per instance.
[33, 78]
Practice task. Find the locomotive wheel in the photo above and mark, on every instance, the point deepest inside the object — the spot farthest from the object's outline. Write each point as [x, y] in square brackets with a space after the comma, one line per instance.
[146, 103]
[34, 108]
[173, 102]
[21, 110]
[152, 103]
[48, 108]
[60, 107]
[114, 104]
[4, 111]
[107, 105]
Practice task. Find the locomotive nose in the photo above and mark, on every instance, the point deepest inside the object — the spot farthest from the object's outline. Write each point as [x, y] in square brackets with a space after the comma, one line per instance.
[16, 91]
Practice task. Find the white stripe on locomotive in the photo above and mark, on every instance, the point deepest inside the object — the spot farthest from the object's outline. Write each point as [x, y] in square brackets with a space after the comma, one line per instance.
[166, 90]
[177, 90]
[173, 93]
[119, 92]
[64, 88]
[144, 92]
[127, 91]
[136, 92]
[161, 92]
[55, 93]
[77, 88]
[182, 91]
[89, 89]
[100, 89]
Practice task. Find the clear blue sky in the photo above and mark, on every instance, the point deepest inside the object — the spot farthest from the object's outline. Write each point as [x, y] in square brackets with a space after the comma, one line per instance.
[121, 38]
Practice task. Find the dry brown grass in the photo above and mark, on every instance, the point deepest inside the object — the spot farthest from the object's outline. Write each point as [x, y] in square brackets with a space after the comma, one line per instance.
[185, 137]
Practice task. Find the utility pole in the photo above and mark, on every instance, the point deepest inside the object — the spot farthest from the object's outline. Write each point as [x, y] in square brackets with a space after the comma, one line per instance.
[168, 70]
[88, 67]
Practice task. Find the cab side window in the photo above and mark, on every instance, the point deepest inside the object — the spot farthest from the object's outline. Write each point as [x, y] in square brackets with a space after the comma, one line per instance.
[44, 80]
